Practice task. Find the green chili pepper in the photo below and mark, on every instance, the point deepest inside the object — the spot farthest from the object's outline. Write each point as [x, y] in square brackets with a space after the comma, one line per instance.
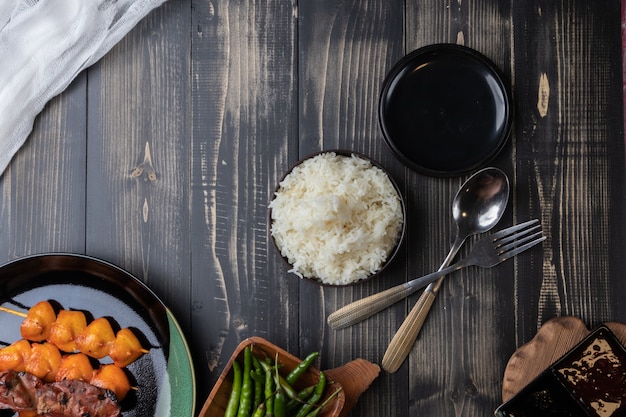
[260, 411]
[245, 400]
[317, 395]
[279, 380]
[320, 407]
[258, 376]
[303, 395]
[293, 376]
[259, 381]
[269, 393]
[235, 393]
[279, 398]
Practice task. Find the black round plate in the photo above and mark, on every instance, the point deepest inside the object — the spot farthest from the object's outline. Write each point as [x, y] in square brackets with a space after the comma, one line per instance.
[101, 289]
[444, 110]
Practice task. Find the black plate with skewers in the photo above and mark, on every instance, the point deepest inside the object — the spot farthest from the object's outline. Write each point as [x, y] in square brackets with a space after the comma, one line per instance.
[100, 289]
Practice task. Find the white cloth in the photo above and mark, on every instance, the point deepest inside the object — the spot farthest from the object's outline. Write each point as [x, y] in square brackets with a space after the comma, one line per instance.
[44, 45]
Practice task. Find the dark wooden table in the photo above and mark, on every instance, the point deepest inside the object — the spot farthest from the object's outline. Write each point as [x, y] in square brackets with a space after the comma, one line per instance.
[162, 159]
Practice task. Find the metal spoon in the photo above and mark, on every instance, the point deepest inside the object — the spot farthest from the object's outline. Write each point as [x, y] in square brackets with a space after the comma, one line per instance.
[365, 307]
[477, 207]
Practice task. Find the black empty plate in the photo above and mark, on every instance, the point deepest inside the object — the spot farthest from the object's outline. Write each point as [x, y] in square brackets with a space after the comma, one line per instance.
[444, 110]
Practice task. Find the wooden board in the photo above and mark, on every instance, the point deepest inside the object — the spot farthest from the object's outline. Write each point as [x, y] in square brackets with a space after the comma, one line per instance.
[162, 159]
[553, 340]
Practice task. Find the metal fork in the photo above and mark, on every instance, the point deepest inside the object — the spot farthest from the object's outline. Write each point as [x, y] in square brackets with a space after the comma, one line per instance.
[486, 253]
[402, 342]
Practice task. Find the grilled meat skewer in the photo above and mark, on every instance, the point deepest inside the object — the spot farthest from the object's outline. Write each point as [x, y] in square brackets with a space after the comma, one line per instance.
[46, 362]
[70, 332]
[21, 391]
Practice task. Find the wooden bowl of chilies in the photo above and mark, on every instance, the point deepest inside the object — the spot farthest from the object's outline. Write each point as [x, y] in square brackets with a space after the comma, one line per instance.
[345, 383]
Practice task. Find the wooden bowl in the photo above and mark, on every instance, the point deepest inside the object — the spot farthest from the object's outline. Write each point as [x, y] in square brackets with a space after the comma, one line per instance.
[353, 378]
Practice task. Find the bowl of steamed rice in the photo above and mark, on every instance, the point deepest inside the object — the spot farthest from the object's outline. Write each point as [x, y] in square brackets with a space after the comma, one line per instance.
[337, 218]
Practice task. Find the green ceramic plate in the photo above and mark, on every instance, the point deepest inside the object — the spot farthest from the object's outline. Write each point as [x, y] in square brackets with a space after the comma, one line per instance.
[164, 377]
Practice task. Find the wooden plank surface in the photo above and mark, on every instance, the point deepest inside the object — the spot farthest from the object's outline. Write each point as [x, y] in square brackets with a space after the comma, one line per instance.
[162, 158]
[569, 161]
[244, 137]
[455, 363]
[138, 157]
[42, 206]
[345, 52]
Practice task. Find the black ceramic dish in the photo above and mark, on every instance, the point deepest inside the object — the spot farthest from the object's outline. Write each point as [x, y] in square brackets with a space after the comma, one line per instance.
[103, 290]
[444, 110]
[588, 381]
[398, 245]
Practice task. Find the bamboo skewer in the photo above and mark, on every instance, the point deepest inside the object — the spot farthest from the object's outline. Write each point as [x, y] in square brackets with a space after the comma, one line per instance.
[14, 312]
[24, 315]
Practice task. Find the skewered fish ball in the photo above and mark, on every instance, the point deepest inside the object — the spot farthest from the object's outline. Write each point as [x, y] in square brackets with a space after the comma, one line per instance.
[44, 361]
[14, 356]
[64, 331]
[112, 378]
[75, 366]
[96, 339]
[69, 332]
[38, 322]
[126, 348]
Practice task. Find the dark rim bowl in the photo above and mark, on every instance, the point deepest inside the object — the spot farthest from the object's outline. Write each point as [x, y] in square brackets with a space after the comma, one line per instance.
[165, 375]
[395, 249]
[444, 110]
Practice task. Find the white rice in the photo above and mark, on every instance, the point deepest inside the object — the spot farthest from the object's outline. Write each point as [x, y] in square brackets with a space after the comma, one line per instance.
[336, 218]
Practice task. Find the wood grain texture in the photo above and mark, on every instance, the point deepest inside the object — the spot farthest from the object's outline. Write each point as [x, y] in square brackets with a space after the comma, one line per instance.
[455, 363]
[584, 145]
[42, 199]
[163, 157]
[138, 157]
[244, 131]
[345, 51]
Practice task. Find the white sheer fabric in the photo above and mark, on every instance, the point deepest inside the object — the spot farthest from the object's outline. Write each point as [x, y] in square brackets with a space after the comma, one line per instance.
[44, 45]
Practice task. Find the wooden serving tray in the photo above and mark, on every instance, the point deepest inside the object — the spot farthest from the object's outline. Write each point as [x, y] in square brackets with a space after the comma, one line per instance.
[553, 340]
[353, 378]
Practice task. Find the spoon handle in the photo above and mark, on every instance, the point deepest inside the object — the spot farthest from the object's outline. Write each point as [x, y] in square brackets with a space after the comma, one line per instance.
[402, 342]
[359, 310]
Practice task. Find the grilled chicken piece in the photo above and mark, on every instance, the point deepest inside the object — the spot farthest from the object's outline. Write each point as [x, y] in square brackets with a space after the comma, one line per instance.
[69, 332]
[38, 322]
[75, 366]
[113, 378]
[126, 348]
[15, 356]
[44, 361]
[68, 325]
[96, 339]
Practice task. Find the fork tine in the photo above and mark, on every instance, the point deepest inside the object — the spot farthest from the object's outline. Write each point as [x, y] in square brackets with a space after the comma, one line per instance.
[519, 242]
[518, 235]
[521, 249]
[512, 229]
